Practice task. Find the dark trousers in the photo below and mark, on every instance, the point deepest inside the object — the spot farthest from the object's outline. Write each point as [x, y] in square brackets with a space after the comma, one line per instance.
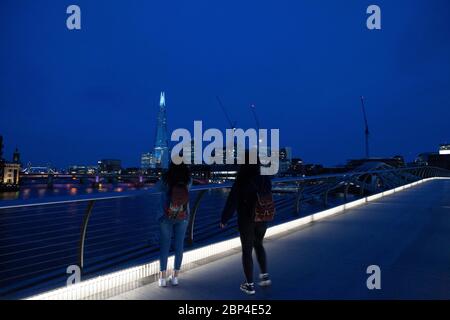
[252, 236]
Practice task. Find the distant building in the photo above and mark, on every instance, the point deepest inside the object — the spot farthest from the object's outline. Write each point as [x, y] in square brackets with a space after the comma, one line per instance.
[9, 172]
[2, 169]
[439, 159]
[16, 156]
[444, 149]
[2, 161]
[422, 159]
[81, 169]
[113, 166]
[131, 171]
[161, 149]
[395, 162]
[200, 172]
[1, 148]
[192, 151]
[313, 169]
[230, 152]
[147, 161]
[297, 166]
[285, 156]
[223, 172]
[399, 160]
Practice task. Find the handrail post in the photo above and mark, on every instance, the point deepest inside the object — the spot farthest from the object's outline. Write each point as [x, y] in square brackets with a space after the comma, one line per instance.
[347, 186]
[364, 183]
[298, 198]
[192, 216]
[325, 196]
[84, 226]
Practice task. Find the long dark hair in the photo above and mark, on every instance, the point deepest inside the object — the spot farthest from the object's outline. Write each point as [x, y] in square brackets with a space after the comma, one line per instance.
[176, 174]
[247, 172]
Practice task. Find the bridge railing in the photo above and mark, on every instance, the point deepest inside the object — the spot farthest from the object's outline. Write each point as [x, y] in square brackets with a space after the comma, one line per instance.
[40, 238]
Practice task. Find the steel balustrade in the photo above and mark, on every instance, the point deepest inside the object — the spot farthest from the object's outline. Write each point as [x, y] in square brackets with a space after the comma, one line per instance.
[303, 189]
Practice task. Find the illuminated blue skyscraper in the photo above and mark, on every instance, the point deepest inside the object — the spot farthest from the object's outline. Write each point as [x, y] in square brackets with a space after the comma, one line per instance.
[161, 151]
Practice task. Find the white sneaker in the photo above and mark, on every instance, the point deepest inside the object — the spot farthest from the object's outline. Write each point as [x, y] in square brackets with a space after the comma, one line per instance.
[162, 282]
[173, 280]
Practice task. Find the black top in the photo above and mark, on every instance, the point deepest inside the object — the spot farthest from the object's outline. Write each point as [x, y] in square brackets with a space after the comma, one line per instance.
[242, 198]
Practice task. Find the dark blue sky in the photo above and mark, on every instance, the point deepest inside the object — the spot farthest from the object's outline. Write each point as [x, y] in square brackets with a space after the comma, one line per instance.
[73, 97]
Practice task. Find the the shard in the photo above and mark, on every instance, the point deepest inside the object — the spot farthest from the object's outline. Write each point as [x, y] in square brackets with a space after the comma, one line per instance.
[161, 151]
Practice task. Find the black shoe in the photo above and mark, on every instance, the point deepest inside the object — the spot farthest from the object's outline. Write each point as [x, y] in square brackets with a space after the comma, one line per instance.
[248, 288]
[264, 280]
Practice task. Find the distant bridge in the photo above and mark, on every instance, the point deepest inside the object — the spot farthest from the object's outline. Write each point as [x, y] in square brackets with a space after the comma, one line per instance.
[50, 177]
[38, 170]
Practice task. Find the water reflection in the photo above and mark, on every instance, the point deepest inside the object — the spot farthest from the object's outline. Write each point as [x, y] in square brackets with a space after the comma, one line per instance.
[38, 191]
[73, 191]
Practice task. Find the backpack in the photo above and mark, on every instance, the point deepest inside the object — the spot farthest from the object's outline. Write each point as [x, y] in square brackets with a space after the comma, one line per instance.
[177, 202]
[264, 209]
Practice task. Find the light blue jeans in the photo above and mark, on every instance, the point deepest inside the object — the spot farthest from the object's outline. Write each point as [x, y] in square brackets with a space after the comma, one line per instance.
[167, 228]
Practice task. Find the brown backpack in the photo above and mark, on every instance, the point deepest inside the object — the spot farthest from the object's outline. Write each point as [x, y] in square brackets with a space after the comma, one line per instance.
[265, 206]
[177, 202]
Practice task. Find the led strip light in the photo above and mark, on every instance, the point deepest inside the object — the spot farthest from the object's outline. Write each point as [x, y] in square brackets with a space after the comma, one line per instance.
[96, 286]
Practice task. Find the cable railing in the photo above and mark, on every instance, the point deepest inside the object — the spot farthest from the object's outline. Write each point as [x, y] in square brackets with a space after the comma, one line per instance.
[105, 233]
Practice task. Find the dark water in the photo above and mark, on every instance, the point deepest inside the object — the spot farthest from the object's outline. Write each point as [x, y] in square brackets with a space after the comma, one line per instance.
[41, 191]
[37, 244]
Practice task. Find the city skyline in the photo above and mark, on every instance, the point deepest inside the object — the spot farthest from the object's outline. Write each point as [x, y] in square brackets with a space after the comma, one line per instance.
[159, 154]
[146, 146]
[69, 97]
[158, 140]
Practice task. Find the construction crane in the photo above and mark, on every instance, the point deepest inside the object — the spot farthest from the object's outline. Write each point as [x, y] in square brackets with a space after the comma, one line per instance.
[230, 148]
[255, 115]
[253, 108]
[366, 127]
[231, 123]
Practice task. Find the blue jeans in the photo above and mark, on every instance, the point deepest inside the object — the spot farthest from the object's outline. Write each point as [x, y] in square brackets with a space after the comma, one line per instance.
[167, 228]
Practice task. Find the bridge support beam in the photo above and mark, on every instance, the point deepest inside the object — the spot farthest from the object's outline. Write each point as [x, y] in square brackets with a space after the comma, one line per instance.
[83, 233]
[298, 199]
[363, 184]
[192, 216]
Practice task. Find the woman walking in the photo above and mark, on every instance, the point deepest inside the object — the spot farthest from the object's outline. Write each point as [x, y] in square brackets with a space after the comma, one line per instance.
[245, 197]
[173, 218]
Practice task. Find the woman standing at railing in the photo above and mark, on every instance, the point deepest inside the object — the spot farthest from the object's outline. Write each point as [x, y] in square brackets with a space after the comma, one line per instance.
[173, 217]
[251, 197]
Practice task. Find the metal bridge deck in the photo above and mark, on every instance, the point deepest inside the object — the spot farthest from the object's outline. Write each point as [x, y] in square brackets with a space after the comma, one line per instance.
[406, 234]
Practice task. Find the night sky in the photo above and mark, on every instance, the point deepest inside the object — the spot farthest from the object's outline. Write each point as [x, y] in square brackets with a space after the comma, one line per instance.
[74, 97]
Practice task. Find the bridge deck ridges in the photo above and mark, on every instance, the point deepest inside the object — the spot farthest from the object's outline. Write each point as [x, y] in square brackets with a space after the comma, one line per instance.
[403, 234]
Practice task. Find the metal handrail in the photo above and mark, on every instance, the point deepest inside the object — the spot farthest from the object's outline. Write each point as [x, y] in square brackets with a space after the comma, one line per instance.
[9, 204]
[300, 186]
